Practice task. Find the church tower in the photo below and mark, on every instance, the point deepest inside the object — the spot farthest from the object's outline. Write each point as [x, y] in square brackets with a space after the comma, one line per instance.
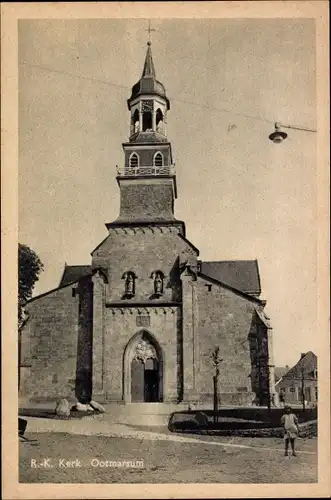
[147, 181]
[137, 283]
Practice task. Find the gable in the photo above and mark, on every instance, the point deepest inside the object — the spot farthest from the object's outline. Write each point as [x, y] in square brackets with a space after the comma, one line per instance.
[242, 275]
[307, 363]
[135, 245]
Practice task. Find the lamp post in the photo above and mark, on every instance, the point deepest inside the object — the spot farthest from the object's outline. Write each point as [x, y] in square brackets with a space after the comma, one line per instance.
[303, 389]
[279, 136]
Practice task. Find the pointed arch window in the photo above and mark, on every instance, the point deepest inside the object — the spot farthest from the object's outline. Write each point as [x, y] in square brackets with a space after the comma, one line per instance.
[158, 159]
[134, 160]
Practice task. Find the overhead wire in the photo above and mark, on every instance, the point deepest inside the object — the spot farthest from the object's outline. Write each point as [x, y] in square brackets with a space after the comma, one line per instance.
[175, 99]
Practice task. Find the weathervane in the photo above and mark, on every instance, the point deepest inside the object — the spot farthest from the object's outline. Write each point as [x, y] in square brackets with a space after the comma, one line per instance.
[149, 29]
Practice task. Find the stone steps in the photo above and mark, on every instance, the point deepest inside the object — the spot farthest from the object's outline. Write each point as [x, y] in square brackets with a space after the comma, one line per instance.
[145, 408]
[142, 413]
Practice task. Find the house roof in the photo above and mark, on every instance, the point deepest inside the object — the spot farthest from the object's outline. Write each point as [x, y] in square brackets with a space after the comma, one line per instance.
[280, 371]
[307, 363]
[73, 273]
[240, 274]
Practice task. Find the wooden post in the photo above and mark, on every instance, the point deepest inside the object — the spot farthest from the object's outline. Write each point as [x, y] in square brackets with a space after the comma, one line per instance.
[216, 361]
[215, 396]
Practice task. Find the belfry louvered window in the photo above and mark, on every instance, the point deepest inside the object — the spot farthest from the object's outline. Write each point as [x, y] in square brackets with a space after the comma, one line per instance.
[134, 160]
[158, 160]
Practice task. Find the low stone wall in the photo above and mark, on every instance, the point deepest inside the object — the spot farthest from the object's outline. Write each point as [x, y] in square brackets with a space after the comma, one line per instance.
[271, 416]
[307, 430]
[232, 399]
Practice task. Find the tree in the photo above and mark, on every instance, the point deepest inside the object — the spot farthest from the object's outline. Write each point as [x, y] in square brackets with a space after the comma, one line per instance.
[29, 269]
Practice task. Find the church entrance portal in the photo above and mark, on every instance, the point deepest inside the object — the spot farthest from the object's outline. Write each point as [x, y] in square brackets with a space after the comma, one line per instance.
[143, 370]
[144, 381]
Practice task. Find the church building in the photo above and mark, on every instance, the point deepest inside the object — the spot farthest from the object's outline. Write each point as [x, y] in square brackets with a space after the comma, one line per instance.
[140, 322]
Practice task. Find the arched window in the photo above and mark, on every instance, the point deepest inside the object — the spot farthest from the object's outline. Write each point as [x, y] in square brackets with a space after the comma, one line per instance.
[134, 160]
[135, 122]
[129, 284]
[159, 121]
[158, 160]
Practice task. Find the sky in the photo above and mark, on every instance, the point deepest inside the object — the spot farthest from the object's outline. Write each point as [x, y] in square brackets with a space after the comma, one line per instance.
[240, 195]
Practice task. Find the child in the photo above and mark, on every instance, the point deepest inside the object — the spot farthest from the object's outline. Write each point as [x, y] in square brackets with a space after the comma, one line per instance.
[290, 423]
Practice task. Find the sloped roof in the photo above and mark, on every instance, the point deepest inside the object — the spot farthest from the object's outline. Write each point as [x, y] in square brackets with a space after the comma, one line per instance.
[73, 273]
[148, 137]
[307, 362]
[280, 371]
[240, 274]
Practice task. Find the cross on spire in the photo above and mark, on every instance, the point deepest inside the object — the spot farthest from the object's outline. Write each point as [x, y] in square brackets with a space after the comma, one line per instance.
[149, 29]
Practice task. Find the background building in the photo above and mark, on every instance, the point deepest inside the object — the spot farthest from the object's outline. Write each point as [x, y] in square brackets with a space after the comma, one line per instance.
[303, 375]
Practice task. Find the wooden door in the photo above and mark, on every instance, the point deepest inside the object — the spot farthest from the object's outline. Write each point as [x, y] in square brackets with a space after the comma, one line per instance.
[151, 381]
[137, 381]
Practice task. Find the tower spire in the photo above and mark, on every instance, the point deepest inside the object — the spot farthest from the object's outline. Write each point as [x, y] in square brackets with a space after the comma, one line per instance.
[149, 70]
[147, 181]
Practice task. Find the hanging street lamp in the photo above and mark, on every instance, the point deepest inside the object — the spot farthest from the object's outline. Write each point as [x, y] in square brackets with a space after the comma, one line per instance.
[279, 135]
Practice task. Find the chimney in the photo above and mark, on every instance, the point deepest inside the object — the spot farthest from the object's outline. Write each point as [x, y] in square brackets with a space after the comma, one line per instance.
[303, 354]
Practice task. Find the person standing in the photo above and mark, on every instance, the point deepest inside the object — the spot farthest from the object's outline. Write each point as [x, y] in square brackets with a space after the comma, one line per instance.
[290, 424]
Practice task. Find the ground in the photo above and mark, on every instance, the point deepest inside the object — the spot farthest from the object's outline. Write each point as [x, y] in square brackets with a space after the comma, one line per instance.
[199, 459]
